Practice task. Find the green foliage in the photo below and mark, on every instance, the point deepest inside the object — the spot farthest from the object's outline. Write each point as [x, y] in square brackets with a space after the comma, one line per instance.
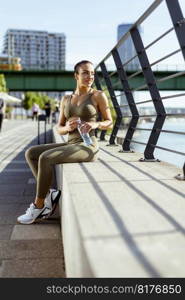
[2, 83]
[8, 108]
[40, 99]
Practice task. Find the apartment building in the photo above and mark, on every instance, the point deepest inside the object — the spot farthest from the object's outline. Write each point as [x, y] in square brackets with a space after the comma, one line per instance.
[37, 49]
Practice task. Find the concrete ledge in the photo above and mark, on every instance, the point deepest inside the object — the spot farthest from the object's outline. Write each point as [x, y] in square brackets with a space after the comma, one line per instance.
[75, 257]
[122, 217]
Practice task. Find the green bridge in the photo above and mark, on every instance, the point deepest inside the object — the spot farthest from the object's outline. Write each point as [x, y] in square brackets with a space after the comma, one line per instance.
[52, 80]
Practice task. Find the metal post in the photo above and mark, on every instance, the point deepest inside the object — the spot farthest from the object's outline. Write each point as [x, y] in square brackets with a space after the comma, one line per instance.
[115, 104]
[41, 118]
[45, 131]
[178, 21]
[97, 82]
[154, 92]
[130, 99]
[38, 137]
[98, 85]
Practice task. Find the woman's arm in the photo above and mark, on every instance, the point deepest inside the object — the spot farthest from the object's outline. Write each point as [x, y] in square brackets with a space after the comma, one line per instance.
[103, 105]
[104, 109]
[62, 126]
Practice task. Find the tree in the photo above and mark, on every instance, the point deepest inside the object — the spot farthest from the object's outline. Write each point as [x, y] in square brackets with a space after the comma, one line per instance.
[27, 102]
[35, 97]
[2, 83]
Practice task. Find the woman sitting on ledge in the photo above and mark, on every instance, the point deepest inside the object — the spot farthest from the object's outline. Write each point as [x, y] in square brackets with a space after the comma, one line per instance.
[80, 107]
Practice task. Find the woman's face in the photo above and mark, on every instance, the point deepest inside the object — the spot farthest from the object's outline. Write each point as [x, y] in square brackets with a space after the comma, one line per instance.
[85, 75]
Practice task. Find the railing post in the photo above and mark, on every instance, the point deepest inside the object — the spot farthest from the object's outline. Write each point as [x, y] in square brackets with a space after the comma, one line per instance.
[115, 104]
[98, 85]
[127, 90]
[154, 92]
[179, 176]
[41, 118]
[178, 22]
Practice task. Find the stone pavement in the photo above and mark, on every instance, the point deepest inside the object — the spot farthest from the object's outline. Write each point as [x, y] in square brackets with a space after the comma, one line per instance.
[25, 250]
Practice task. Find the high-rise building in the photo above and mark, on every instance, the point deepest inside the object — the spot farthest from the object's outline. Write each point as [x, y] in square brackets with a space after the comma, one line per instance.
[126, 52]
[127, 49]
[37, 49]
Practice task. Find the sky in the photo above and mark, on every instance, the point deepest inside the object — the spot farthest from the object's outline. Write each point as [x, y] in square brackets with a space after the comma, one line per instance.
[91, 26]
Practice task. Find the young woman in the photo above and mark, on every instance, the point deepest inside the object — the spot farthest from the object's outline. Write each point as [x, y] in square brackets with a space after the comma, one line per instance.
[84, 103]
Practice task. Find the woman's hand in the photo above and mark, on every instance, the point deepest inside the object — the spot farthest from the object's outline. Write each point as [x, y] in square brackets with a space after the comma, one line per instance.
[88, 126]
[85, 127]
[72, 124]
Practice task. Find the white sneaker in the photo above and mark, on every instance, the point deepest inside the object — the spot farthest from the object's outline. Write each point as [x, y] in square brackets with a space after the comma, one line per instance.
[33, 213]
[51, 201]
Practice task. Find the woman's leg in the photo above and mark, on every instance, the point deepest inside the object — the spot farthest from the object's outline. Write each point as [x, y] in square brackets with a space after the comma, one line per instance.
[69, 153]
[61, 153]
[33, 153]
[32, 157]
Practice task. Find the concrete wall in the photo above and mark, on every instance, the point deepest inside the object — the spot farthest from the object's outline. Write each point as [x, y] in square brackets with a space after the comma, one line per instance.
[75, 257]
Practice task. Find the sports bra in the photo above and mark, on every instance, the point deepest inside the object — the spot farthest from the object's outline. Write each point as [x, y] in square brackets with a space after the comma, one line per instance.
[85, 110]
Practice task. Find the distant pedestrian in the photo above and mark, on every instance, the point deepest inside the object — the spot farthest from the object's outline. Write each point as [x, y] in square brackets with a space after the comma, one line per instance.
[2, 106]
[48, 111]
[55, 113]
[35, 111]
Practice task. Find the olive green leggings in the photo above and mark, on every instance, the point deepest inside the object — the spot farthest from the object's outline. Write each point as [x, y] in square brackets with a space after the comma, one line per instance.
[42, 158]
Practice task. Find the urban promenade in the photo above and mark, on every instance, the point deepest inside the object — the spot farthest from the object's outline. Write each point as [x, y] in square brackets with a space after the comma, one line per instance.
[120, 217]
[25, 251]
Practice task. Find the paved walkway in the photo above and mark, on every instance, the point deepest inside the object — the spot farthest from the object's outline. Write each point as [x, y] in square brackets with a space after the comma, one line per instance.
[25, 251]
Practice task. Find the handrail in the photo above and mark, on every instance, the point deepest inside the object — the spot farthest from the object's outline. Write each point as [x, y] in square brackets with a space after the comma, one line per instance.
[153, 6]
[150, 100]
[148, 46]
[160, 113]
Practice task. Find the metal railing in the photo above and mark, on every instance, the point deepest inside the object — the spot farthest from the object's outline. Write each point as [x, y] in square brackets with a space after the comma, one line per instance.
[105, 82]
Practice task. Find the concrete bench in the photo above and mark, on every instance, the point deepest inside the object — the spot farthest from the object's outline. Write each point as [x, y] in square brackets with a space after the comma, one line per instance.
[121, 217]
